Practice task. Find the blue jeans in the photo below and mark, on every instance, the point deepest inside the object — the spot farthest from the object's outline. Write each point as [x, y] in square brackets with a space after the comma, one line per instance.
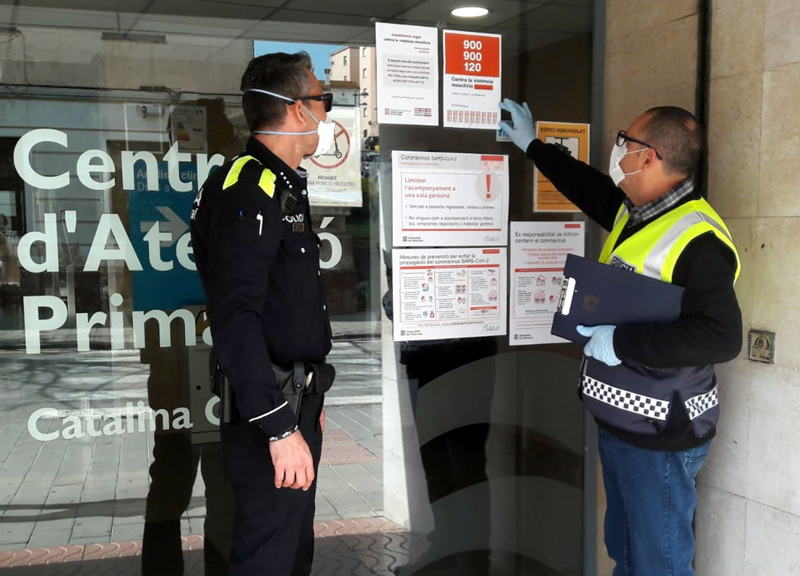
[651, 499]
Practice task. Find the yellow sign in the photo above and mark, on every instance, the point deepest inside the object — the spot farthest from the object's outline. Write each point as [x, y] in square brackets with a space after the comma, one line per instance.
[575, 138]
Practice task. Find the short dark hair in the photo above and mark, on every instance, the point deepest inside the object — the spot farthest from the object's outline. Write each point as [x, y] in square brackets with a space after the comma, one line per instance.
[678, 137]
[281, 73]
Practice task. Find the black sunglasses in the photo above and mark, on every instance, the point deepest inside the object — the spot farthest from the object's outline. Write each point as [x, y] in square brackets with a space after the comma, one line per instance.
[622, 137]
[326, 99]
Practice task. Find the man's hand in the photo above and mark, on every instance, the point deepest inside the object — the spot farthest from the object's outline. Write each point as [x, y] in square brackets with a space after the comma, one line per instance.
[522, 133]
[322, 420]
[601, 344]
[294, 467]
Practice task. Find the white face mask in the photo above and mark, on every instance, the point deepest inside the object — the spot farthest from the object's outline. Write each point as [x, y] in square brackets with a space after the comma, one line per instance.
[325, 130]
[614, 169]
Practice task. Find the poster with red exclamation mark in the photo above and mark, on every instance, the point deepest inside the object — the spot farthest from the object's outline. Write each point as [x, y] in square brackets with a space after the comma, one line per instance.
[449, 199]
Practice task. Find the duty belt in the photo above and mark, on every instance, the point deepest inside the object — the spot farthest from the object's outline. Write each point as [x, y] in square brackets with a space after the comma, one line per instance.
[302, 378]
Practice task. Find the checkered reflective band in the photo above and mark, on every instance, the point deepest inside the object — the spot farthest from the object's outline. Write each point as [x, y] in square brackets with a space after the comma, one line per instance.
[698, 405]
[625, 400]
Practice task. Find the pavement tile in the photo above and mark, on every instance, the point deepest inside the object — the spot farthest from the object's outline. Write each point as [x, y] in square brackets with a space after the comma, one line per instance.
[362, 509]
[16, 532]
[45, 538]
[64, 494]
[22, 512]
[324, 508]
[90, 509]
[70, 477]
[30, 495]
[374, 499]
[127, 520]
[365, 419]
[352, 426]
[125, 508]
[196, 525]
[97, 528]
[375, 469]
[81, 541]
[61, 524]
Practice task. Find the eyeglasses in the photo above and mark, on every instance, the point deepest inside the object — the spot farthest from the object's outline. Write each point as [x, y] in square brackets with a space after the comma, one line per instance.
[622, 137]
[326, 99]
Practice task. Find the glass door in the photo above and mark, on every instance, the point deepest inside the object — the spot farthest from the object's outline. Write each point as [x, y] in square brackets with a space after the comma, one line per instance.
[459, 454]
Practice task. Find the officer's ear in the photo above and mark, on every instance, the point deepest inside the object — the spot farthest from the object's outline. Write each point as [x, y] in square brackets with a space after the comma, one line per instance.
[295, 114]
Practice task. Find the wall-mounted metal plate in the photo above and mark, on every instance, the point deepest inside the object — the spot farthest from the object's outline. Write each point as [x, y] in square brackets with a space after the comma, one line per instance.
[761, 346]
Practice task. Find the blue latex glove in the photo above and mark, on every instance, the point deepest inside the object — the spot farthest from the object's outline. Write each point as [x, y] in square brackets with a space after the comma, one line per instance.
[523, 132]
[601, 344]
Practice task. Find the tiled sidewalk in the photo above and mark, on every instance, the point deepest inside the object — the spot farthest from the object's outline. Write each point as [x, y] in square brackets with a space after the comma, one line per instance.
[89, 493]
[361, 546]
[351, 472]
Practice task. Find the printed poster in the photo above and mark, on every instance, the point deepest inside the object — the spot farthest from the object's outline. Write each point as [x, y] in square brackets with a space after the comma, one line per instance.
[538, 254]
[472, 73]
[334, 178]
[447, 199]
[188, 127]
[575, 138]
[449, 293]
[408, 74]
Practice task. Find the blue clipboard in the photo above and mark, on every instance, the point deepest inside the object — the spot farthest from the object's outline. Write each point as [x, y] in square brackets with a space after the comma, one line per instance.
[594, 293]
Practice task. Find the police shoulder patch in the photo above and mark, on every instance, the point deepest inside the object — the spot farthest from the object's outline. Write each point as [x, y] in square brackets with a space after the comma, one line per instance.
[267, 182]
[235, 171]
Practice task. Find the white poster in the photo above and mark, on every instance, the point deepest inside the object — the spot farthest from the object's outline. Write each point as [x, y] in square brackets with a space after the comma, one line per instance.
[188, 125]
[449, 293]
[408, 74]
[442, 199]
[538, 253]
[334, 178]
[472, 78]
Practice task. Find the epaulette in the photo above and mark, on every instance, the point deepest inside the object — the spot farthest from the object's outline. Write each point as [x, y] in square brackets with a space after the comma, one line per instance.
[248, 169]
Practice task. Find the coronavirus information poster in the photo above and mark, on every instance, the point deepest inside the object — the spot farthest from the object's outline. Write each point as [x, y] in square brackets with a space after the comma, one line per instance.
[449, 293]
[447, 199]
[538, 254]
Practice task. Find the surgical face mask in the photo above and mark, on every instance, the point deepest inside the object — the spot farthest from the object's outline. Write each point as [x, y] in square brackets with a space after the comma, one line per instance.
[614, 169]
[325, 130]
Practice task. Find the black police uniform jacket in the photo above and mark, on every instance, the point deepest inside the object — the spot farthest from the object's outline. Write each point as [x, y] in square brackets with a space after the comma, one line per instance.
[259, 267]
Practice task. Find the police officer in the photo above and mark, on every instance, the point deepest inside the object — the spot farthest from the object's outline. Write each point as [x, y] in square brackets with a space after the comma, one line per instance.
[258, 260]
[652, 387]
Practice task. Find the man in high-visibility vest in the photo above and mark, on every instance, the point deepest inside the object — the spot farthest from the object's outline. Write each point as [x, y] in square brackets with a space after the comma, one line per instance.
[651, 387]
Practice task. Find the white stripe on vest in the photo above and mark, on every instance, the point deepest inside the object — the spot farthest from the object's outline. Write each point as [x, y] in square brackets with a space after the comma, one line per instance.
[654, 261]
[698, 405]
[625, 400]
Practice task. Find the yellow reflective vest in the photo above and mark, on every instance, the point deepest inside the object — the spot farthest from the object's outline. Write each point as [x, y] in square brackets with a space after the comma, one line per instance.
[633, 397]
[654, 250]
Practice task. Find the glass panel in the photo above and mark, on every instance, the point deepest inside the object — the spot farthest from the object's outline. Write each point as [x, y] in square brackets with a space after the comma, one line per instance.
[458, 456]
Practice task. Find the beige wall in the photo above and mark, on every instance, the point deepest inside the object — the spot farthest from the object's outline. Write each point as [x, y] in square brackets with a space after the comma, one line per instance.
[749, 515]
[651, 59]
[748, 519]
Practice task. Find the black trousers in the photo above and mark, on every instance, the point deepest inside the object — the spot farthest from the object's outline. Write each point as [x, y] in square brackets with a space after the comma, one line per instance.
[273, 532]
